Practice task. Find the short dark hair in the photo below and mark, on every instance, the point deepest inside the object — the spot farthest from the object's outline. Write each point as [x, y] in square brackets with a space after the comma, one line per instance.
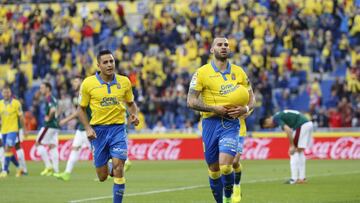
[262, 121]
[48, 85]
[7, 86]
[103, 52]
[213, 43]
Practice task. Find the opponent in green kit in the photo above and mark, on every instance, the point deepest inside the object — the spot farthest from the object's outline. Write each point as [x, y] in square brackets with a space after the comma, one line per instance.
[299, 132]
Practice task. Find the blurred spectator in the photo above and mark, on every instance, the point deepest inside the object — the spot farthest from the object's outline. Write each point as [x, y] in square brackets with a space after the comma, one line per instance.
[334, 118]
[121, 13]
[159, 128]
[320, 119]
[315, 94]
[30, 121]
[346, 112]
[188, 127]
[333, 101]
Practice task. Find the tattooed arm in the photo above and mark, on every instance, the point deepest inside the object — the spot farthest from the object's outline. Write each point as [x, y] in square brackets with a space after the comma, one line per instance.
[194, 102]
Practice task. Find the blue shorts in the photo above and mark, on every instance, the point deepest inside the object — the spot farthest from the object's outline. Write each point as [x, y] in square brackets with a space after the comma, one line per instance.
[219, 135]
[10, 139]
[240, 144]
[111, 141]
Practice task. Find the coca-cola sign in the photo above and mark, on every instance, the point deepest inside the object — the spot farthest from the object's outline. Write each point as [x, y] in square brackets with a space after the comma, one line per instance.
[191, 148]
[159, 149]
[64, 151]
[256, 148]
[339, 148]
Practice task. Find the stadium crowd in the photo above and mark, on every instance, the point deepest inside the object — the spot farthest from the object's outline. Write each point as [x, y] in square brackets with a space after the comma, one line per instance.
[287, 47]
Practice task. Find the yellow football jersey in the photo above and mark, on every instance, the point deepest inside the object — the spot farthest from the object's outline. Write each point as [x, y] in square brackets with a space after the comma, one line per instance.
[106, 100]
[10, 113]
[217, 88]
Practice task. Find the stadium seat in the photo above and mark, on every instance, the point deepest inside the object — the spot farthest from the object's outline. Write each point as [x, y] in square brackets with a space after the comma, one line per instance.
[325, 86]
[301, 102]
[340, 71]
[29, 95]
[302, 76]
[294, 84]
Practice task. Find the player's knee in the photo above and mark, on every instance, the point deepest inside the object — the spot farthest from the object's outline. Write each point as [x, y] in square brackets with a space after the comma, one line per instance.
[214, 174]
[75, 148]
[237, 167]
[299, 149]
[214, 167]
[226, 169]
[102, 177]
[118, 170]
[52, 146]
[7, 149]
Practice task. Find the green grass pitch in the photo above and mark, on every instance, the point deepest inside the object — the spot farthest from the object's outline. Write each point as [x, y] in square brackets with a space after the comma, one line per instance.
[329, 181]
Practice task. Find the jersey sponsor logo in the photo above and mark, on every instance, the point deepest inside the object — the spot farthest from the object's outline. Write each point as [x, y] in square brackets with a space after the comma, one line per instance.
[118, 85]
[116, 149]
[5, 113]
[226, 89]
[233, 77]
[108, 101]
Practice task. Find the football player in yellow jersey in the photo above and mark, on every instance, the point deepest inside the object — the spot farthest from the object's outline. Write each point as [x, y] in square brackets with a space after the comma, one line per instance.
[10, 114]
[221, 92]
[237, 166]
[106, 94]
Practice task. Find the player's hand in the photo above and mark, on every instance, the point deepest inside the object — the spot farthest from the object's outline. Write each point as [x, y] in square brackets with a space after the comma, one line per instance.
[220, 110]
[133, 119]
[245, 115]
[90, 133]
[236, 112]
[46, 118]
[292, 150]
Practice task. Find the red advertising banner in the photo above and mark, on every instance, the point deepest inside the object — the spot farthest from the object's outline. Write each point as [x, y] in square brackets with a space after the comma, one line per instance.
[335, 148]
[64, 150]
[191, 148]
[321, 148]
[165, 149]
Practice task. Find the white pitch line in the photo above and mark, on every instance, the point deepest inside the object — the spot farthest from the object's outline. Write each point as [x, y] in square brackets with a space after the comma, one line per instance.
[201, 186]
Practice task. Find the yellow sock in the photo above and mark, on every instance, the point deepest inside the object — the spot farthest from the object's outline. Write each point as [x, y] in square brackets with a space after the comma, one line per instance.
[9, 154]
[119, 181]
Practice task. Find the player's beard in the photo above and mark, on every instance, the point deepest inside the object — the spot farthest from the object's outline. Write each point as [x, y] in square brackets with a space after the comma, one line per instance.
[221, 57]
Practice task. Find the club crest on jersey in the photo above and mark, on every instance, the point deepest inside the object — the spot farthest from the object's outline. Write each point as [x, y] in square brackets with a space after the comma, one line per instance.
[118, 85]
[233, 77]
